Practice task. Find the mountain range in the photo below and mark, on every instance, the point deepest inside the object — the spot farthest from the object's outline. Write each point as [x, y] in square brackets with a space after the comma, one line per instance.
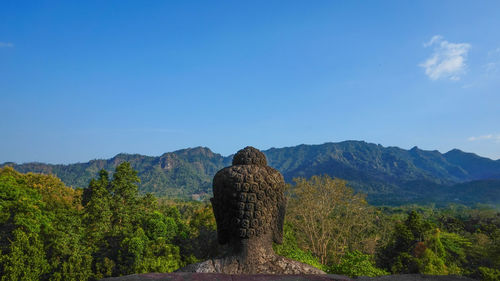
[388, 175]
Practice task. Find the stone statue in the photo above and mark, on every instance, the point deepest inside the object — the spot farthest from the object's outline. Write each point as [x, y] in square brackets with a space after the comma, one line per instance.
[249, 208]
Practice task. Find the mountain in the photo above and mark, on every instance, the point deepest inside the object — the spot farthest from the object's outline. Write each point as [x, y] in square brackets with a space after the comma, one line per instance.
[179, 174]
[389, 175]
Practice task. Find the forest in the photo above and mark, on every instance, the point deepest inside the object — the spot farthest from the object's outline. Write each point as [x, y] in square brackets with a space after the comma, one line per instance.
[50, 231]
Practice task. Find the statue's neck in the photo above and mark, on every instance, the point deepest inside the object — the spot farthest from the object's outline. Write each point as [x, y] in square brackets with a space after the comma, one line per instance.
[253, 249]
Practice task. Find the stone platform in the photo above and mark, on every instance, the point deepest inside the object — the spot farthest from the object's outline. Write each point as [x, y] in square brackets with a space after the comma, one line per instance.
[184, 276]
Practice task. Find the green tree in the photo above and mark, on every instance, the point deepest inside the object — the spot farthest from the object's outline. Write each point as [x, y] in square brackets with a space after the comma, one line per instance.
[357, 264]
[125, 197]
[40, 233]
[160, 256]
[399, 254]
[26, 258]
[128, 232]
[329, 217]
[455, 246]
[97, 216]
[290, 249]
[431, 259]
[434, 243]
[430, 263]
[489, 274]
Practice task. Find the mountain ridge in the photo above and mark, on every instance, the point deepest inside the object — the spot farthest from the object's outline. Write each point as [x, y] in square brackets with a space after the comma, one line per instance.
[384, 173]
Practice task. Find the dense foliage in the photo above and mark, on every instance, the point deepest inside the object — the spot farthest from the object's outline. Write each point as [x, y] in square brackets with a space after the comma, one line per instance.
[49, 231]
[331, 224]
[52, 232]
[454, 240]
[330, 217]
[388, 175]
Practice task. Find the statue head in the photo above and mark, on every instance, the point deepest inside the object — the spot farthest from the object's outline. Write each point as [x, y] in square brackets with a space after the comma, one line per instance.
[249, 156]
[249, 201]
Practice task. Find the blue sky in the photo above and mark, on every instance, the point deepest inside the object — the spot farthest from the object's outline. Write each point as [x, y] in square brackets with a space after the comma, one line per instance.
[81, 80]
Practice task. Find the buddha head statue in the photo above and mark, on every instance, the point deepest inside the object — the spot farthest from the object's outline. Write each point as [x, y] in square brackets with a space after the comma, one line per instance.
[249, 201]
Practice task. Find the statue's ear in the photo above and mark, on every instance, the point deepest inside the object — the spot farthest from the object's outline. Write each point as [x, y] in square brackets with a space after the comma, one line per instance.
[280, 220]
[222, 227]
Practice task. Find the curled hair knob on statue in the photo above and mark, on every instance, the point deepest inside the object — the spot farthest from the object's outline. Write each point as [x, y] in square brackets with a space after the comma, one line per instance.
[249, 208]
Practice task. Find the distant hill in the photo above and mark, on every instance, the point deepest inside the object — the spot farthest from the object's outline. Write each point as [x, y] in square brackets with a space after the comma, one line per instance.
[389, 175]
[180, 173]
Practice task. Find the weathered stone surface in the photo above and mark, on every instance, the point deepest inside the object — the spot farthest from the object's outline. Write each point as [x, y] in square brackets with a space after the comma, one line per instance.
[184, 276]
[417, 277]
[274, 265]
[249, 208]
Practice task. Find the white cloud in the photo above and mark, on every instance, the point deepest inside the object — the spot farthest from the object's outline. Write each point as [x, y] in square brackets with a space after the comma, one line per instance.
[447, 60]
[493, 137]
[434, 39]
[6, 45]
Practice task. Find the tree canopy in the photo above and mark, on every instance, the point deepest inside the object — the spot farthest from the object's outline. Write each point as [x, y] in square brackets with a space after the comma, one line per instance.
[49, 231]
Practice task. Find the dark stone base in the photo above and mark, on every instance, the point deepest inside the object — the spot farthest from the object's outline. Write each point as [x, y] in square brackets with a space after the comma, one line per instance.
[183, 276]
[417, 277]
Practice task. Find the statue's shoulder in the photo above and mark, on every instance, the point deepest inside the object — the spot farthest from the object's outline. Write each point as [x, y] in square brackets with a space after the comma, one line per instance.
[290, 266]
[227, 265]
[230, 265]
[207, 266]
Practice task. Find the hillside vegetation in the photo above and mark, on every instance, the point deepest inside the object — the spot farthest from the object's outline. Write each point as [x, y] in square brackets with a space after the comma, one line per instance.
[388, 175]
